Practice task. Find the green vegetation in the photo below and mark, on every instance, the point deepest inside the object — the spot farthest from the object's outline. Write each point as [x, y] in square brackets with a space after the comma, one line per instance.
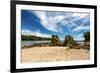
[69, 41]
[87, 40]
[34, 38]
[87, 36]
[55, 41]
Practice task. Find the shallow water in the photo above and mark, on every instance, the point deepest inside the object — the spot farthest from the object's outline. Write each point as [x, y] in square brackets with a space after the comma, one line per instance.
[30, 43]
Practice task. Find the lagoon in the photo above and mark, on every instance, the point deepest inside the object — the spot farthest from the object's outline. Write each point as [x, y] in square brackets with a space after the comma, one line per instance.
[30, 43]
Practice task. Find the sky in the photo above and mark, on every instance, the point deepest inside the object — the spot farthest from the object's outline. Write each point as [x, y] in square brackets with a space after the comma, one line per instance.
[47, 23]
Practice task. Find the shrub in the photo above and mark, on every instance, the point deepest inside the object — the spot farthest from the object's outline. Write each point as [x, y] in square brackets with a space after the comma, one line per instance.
[77, 47]
[55, 41]
[69, 41]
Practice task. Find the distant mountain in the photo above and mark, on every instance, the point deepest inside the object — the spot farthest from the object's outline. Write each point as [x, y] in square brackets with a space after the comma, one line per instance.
[33, 37]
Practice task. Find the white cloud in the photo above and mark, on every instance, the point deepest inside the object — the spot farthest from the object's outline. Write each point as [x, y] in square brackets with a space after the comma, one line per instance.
[42, 16]
[76, 16]
[50, 20]
[60, 18]
[78, 28]
[53, 23]
[79, 38]
[80, 15]
[36, 33]
[26, 32]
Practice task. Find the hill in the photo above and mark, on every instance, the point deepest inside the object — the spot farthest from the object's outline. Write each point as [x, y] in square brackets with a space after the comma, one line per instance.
[33, 37]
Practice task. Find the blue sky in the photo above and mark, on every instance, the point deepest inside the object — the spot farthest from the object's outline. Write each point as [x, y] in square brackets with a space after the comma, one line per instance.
[47, 23]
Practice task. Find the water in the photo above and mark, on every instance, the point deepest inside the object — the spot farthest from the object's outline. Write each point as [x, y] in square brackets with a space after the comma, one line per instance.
[30, 43]
[80, 42]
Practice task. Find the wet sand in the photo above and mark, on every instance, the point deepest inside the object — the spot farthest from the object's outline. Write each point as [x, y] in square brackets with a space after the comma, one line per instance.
[45, 54]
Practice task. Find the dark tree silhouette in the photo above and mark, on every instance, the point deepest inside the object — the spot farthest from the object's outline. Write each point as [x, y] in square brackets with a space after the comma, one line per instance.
[33, 37]
[87, 36]
[69, 41]
[55, 41]
[87, 40]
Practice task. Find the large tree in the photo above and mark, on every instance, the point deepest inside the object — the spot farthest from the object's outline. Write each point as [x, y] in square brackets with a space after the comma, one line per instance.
[87, 36]
[87, 40]
[69, 41]
[55, 41]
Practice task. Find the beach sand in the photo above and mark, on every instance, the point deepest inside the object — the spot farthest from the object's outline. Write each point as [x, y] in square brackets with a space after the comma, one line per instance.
[45, 54]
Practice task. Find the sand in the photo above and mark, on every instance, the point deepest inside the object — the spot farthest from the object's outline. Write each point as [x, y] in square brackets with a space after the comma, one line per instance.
[45, 54]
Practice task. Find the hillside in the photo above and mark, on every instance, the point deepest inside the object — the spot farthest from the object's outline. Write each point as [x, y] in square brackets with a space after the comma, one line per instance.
[33, 37]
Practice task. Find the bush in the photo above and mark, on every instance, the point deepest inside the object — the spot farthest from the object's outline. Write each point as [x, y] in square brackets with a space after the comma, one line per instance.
[87, 45]
[77, 47]
[55, 41]
[69, 41]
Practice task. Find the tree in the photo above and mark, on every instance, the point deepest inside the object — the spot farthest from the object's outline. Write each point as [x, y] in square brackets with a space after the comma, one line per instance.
[87, 39]
[69, 41]
[55, 41]
[75, 43]
[87, 36]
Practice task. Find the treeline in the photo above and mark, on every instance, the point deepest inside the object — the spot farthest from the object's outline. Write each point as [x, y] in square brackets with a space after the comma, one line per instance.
[34, 38]
[55, 41]
[70, 42]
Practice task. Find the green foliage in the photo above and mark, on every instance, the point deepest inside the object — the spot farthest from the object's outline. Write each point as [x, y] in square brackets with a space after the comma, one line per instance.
[87, 45]
[75, 43]
[55, 41]
[87, 40]
[69, 41]
[87, 36]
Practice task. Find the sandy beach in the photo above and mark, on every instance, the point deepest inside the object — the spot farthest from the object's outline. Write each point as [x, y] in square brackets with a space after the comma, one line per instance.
[45, 54]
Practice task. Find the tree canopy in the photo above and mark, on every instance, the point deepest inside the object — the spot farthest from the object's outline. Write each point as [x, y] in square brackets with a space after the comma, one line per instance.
[55, 41]
[87, 36]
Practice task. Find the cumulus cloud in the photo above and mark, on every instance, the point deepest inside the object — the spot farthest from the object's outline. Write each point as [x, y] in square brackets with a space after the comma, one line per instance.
[36, 33]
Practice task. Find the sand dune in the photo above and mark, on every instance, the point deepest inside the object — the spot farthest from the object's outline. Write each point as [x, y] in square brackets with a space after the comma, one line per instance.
[45, 54]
